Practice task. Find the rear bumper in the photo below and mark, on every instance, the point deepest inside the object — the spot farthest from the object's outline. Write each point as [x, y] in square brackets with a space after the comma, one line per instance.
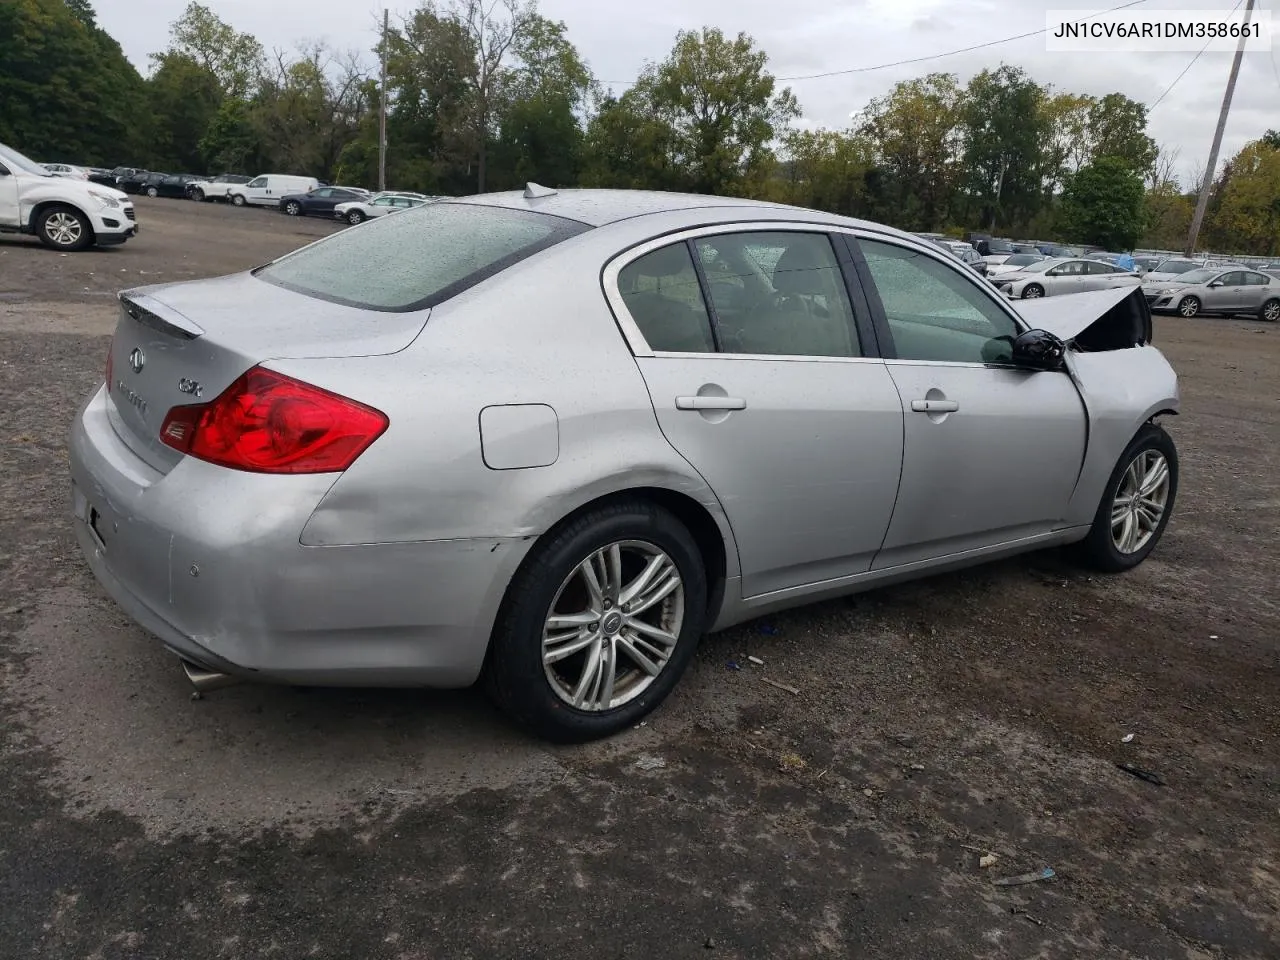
[209, 561]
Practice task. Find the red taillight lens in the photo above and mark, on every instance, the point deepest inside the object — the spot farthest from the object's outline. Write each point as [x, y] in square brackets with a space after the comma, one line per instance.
[266, 422]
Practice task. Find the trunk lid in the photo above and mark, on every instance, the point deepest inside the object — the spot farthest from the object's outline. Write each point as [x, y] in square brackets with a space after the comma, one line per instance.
[185, 343]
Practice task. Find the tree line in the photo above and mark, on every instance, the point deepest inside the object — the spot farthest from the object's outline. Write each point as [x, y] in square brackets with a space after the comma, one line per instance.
[486, 97]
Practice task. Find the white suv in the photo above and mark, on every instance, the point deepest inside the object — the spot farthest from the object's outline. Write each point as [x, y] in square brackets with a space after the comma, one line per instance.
[65, 214]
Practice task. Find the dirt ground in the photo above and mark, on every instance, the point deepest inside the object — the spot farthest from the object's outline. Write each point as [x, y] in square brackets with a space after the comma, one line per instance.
[969, 714]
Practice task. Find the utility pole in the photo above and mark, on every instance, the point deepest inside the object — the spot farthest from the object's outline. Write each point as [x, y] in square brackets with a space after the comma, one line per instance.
[1206, 185]
[1004, 165]
[382, 106]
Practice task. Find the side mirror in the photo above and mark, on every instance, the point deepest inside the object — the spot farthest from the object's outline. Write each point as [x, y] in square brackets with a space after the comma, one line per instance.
[1039, 350]
[1216, 283]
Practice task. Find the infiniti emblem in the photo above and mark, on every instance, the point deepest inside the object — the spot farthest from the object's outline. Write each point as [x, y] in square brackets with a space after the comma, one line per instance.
[137, 359]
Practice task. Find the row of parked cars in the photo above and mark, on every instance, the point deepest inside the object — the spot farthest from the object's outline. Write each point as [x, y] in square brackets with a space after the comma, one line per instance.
[292, 195]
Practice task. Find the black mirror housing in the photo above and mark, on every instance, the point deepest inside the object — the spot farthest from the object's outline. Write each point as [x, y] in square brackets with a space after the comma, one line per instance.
[1039, 350]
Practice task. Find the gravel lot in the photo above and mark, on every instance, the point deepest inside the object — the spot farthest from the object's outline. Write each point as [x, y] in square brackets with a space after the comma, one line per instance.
[970, 714]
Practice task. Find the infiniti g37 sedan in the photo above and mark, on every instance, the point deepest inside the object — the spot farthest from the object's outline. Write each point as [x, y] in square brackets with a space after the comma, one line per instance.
[547, 440]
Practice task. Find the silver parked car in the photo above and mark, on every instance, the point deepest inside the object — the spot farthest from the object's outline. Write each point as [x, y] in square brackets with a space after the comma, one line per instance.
[1057, 276]
[550, 439]
[358, 211]
[1215, 291]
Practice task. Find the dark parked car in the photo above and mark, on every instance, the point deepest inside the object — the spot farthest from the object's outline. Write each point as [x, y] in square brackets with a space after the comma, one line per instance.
[111, 178]
[139, 181]
[321, 200]
[170, 185]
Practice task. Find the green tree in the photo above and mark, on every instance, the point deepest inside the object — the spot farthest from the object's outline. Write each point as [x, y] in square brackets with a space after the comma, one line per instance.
[67, 92]
[545, 91]
[1272, 139]
[1118, 128]
[1068, 145]
[230, 143]
[1167, 216]
[1246, 217]
[627, 147]
[1103, 204]
[184, 98]
[825, 170]
[917, 134]
[1004, 136]
[234, 59]
[722, 109]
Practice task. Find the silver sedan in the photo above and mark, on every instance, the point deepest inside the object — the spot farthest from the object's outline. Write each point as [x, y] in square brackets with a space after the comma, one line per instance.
[551, 439]
[1060, 275]
[1211, 291]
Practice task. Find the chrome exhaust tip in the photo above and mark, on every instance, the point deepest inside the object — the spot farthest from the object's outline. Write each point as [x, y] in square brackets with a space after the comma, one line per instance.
[206, 680]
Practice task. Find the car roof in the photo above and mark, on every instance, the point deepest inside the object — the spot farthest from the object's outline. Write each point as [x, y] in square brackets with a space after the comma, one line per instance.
[597, 208]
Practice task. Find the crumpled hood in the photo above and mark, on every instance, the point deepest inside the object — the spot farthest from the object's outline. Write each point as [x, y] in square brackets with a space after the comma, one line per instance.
[1070, 315]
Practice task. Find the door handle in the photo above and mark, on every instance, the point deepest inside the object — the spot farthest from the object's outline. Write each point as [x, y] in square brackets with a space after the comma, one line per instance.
[710, 403]
[934, 406]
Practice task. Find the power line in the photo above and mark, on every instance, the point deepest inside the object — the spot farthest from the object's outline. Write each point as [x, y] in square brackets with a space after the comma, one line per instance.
[932, 56]
[1170, 87]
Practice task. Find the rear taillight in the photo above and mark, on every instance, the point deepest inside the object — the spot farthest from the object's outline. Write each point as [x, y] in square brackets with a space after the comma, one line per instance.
[266, 422]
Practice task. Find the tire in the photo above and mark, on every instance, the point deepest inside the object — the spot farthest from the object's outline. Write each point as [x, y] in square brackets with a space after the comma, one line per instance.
[1032, 291]
[64, 228]
[152, 192]
[237, 199]
[355, 218]
[1270, 311]
[197, 195]
[1188, 307]
[1100, 548]
[293, 208]
[539, 696]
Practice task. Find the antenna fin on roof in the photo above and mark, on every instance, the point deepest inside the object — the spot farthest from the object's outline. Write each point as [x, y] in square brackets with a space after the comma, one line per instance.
[532, 191]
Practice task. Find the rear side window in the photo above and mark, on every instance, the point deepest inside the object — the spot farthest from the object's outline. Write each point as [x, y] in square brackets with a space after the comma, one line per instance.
[418, 259]
[662, 294]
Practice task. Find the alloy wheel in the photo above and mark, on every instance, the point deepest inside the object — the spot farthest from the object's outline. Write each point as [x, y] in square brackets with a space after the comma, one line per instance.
[1140, 501]
[63, 229]
[613, 625]
[1271, 310]
[1032, 292]
[1189, 307]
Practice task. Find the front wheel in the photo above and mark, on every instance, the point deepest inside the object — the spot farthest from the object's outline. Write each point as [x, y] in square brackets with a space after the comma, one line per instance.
[1189, 306]
[1032, 291]
[293, 208]
[197, 195]
[355, 217]
[64, 228]
[599, 623]
[1270, 311]
[1136, 503]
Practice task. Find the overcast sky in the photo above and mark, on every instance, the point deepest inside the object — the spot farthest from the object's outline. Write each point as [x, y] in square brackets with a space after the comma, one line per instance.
[813, 36]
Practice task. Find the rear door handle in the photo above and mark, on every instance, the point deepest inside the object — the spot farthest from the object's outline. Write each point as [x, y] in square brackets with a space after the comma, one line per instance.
[934, 406]
[710, 403]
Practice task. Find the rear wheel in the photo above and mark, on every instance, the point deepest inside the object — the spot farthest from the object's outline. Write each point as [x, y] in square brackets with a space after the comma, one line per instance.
[152, 192]
[237, 199]
[64, 228]
[599, 623]
[1136, 504]
[293, 208]
[355, 217]
[1270, 311]
[1189, 306]
[1032, 291]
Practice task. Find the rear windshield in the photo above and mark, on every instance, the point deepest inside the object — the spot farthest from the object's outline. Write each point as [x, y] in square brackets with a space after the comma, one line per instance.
[417, 258]
[1176, 266]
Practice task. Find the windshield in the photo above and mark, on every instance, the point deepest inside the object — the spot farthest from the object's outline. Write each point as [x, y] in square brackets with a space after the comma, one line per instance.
[418, 259]
[1197, 276]
[12, 158]
[1023, 259]
[1176, 266]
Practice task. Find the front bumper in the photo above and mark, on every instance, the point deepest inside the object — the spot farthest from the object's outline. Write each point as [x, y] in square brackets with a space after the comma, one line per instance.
[114, 224]
[209, 561]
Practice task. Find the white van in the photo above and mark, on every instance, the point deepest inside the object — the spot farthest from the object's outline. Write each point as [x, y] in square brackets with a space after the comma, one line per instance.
[64, 214]
[266, 190]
